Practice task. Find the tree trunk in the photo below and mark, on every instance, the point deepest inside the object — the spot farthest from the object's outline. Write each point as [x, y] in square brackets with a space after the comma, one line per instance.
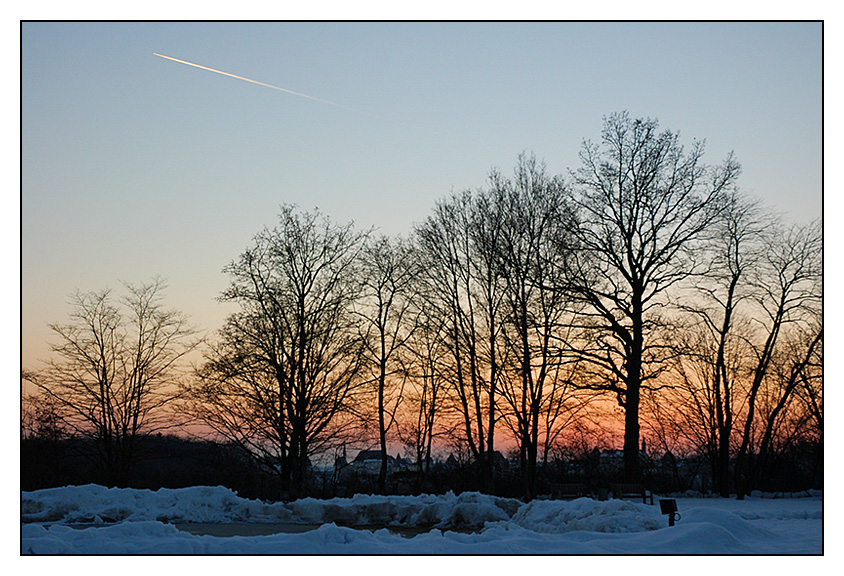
[382, 429]
[632, 469]
[743, 466]
[723, 404]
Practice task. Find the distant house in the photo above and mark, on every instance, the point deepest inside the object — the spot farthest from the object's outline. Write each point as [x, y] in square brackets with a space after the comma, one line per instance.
[369, 462]
[499, 461]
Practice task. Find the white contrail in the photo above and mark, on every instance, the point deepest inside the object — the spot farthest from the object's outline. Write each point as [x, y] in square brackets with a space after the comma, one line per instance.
[264, 84]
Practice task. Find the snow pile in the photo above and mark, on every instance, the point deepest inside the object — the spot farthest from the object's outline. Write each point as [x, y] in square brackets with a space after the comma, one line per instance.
[96, 504]
[96, 520]
[469, 510]
[555, 516]
[92, 504]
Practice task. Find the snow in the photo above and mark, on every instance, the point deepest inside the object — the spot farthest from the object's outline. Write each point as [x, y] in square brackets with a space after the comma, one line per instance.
[93, 519]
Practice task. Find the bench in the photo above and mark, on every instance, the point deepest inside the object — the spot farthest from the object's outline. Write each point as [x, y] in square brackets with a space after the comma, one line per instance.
[621, 491]
[565, 491]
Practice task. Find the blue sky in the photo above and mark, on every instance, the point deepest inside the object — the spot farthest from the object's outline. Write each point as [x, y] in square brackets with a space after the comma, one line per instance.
[135, 166]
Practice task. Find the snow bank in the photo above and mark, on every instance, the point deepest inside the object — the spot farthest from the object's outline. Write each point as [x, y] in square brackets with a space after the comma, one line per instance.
[557, 516]
[99, 505]
[469, 510]
[96, 520]
[96, 504]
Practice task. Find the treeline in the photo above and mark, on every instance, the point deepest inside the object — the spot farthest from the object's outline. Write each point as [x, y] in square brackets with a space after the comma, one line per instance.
[510, 315]
[161, 461]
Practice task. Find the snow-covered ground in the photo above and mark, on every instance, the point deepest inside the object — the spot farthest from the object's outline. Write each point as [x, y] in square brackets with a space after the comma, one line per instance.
[96, 520]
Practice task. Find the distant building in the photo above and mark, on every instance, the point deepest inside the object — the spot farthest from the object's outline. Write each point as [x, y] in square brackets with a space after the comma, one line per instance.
[369, 462]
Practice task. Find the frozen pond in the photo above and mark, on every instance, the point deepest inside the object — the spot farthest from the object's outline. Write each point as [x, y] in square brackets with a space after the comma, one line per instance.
[228, 529]
[244, 528]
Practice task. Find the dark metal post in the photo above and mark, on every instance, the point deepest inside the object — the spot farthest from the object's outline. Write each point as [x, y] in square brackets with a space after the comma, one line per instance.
[669, 507]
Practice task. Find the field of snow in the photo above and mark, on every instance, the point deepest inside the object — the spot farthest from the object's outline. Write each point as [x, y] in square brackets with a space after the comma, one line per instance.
[96, 520]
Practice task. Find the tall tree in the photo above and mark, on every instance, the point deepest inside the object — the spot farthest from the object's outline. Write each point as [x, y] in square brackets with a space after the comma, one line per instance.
[781, 422]
[719, 353]
[810, 396]
[388, 274]
[114, 368]
[788, 294]
[462, 282]
[531, 209]
[427, 370]
[288, 364]
[643, 202]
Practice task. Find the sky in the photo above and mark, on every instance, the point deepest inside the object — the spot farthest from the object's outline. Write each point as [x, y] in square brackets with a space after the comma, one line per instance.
[135, 166]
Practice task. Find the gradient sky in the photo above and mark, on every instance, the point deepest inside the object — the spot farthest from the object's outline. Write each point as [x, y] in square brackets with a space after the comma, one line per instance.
[135, 166]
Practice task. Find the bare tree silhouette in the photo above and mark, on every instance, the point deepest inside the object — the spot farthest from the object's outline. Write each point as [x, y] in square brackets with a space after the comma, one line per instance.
[643, 202]
[115, 368]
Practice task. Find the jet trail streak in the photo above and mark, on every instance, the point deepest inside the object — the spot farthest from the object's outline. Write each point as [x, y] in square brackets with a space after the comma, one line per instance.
[262, 84]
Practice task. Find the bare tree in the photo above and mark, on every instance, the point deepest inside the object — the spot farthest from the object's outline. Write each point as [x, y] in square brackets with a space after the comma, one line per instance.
[427, 370]
[41, 417]
[114, 369]
[788, 293]
[718, 355]
[709, 397]
[781, 422]
[388, 274]
[643, 202]
[241, 392]
[486, 334]
[531, 210]
[281, 383]
[462, 283]
[810, 394]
